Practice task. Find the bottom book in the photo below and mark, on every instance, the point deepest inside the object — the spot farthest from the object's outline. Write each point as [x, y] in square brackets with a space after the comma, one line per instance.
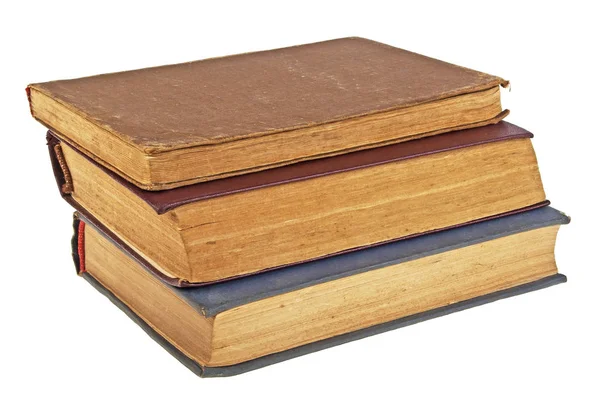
[233, 327]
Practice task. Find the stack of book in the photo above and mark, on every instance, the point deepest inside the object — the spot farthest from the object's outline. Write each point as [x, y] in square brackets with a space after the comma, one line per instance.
[252, 208]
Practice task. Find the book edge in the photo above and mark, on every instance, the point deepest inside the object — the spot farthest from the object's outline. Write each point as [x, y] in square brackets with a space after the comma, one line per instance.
[182, 283]
[294, 172]
[225, 371]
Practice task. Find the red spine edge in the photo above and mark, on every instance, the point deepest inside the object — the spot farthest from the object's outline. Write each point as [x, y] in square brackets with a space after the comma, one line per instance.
[81, 245]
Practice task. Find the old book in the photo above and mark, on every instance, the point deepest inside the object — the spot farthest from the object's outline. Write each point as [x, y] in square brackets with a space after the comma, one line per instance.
[239, 325]
[221, 229]
[176, 125]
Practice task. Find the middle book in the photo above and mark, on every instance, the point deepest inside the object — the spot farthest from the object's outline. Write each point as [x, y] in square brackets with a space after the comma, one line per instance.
[246, 224]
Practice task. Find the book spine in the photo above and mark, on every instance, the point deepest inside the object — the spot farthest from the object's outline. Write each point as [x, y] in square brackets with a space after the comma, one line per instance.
[28, 92]
[78, 244]
[59, 166]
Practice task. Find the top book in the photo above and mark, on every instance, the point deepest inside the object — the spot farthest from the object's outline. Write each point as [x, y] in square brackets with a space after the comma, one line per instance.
[177, 125]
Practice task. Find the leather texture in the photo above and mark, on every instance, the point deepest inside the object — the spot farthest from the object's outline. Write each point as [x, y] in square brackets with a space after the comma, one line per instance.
[249, 95]
[163, 201]
[244, 367]
[216, 298]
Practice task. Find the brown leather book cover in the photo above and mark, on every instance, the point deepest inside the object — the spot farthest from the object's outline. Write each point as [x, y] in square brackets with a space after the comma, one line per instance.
[205, 104]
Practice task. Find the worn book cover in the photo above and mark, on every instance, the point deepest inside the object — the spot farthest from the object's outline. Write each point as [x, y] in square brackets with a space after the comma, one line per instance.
[240, 325]
[176, 125]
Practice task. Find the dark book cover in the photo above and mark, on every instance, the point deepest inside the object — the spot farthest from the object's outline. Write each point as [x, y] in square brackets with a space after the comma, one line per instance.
[213, 299]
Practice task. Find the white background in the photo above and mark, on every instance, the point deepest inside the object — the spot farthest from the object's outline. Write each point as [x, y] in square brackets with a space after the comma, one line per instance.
[65, 346]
